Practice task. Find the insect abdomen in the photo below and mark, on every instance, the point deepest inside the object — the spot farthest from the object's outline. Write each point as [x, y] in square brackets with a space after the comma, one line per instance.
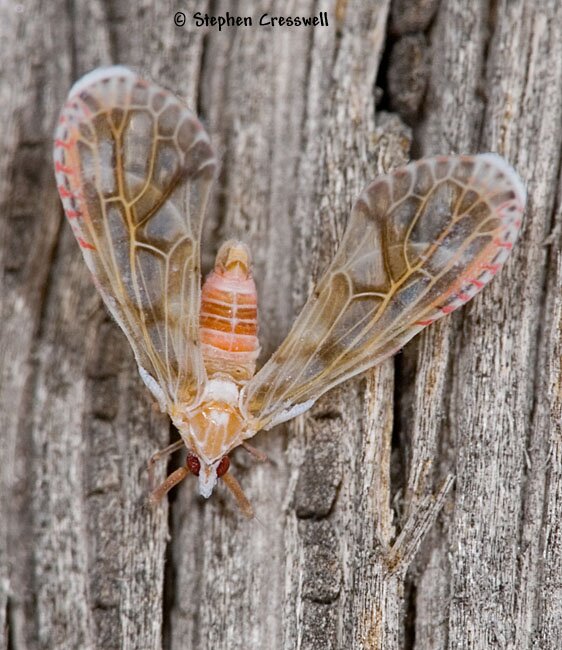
[228, 325]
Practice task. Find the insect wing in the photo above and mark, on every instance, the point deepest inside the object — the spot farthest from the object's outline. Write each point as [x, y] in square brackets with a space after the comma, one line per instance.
[134, 167]
[420, 242]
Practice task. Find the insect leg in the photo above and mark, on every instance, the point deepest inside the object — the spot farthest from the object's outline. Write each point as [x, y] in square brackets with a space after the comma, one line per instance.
[162, 453]
[160, 492]
[241, 499]
[258, 454]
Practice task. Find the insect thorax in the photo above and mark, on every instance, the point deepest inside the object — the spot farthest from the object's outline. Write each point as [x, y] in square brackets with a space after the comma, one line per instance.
[215, 425]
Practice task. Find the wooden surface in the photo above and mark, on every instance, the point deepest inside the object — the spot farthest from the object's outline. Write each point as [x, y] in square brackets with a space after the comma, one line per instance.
[419, 506]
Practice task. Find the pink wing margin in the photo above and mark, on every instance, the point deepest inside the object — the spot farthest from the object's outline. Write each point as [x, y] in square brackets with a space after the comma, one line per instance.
[134, 168]
[420, 242]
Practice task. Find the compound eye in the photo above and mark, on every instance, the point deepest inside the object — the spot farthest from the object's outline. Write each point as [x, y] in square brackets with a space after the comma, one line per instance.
[193, 464]
[222, 467]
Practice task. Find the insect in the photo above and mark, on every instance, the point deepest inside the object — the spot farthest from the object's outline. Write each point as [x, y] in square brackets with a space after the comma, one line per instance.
[134, 169]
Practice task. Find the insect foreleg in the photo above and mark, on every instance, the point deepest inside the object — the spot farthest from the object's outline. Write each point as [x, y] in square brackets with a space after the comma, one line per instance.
[160, 492]
[162, 453]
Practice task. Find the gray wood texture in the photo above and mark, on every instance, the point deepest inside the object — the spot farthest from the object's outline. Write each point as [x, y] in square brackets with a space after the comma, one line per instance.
[417, 507]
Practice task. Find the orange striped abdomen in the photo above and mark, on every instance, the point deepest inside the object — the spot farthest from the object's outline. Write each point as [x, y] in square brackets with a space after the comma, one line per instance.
[228, 325]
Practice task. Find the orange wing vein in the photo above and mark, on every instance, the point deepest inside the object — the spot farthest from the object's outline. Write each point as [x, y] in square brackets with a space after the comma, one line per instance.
[134, 167]
[420, 242]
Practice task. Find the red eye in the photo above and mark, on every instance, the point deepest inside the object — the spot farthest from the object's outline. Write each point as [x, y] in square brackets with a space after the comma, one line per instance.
[193, 464]
[222, 467]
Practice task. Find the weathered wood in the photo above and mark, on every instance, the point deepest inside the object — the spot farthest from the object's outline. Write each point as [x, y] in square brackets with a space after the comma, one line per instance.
[497, 411]
[348, 549]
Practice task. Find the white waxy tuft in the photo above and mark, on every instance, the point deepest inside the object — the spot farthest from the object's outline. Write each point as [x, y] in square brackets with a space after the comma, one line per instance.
[221, 390]
[221, 418]
[290, 413]
[154, 388]
[207, 479]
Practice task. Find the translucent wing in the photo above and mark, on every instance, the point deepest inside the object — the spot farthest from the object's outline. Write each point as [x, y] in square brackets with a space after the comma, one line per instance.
[133, 168]
[420, 242]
